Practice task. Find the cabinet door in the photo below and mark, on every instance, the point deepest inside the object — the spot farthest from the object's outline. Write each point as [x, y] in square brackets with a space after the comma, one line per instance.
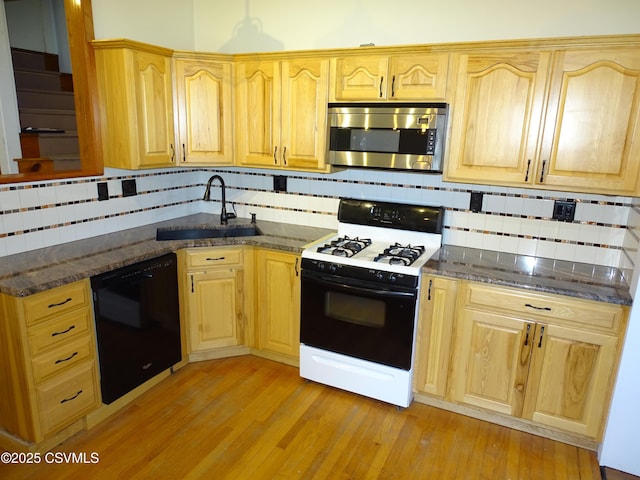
[491, 362]
[154, 105]
[203, 99]
[570, 379]
[303, 135]
[591, 136]
[360, 78]
[258, 113]
[435, 325]
[419, 77]
[496, 115]
[278, 302]
[214, 309]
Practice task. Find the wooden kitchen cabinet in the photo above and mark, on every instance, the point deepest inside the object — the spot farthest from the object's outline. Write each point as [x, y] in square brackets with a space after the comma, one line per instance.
[414, 76]
[281, 111]
[204, 120]
[591, 135]
[435, 329]
[497, 110]
[562, 119]
[212, 298]
[136, 104]
[48, 365]
[544, 358]
[278, 304]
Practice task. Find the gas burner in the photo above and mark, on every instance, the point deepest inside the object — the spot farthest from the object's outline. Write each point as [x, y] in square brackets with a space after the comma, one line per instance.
[398, 254]
[345, 246]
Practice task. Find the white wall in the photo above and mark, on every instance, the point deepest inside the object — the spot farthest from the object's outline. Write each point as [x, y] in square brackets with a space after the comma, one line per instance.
[9, 120]
[263, 25]
[167, 23]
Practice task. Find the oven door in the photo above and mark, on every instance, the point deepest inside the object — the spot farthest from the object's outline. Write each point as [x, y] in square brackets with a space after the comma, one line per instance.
[358, 319]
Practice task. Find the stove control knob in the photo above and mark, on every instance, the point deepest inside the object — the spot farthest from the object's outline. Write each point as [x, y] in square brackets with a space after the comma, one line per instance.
[393, 277]
[321, 266]
[333, 268]
[380, 275]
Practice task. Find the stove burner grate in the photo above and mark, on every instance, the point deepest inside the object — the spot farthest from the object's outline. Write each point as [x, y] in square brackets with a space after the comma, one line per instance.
[345, 246]
[398, 254]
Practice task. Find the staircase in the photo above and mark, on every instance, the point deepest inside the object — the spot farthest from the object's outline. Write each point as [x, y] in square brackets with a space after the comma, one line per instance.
[49, 137]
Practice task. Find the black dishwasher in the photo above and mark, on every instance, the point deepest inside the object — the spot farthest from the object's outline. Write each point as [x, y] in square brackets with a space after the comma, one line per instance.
[137, 323]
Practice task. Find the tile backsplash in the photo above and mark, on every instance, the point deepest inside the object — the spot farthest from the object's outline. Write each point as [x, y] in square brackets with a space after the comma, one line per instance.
[605, 230]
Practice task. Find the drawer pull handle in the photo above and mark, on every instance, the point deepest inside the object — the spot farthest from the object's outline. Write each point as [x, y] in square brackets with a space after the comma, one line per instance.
[65, 400]
[212, 259]
[54, 334]
[62, 360]
[548, 309]
[59, 304]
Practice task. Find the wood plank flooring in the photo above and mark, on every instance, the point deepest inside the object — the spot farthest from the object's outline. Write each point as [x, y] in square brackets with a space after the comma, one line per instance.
[250, 418]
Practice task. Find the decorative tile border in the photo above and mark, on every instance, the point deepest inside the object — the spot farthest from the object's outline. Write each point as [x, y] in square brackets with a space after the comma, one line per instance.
[316, 195]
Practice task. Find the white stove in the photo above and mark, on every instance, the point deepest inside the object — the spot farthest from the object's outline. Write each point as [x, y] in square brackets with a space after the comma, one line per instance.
[359, 301]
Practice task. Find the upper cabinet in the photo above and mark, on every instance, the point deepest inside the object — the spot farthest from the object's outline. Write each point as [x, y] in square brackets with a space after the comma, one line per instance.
[495, 117]
[136, 98]
[591, 138]
[282, 113]
[563, 119]
[203, 110]
[397, 77]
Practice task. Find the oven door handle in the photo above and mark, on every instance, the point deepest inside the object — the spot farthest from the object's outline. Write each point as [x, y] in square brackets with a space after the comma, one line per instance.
[341, 283]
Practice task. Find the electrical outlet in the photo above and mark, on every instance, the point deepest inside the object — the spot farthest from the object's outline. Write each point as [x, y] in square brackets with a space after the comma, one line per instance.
[564, 210]
[103, 191]
[129, 188]
[280, 183]
[475, 204]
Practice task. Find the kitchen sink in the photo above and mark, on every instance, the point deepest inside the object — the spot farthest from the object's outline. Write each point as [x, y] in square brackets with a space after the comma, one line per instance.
[191, 233]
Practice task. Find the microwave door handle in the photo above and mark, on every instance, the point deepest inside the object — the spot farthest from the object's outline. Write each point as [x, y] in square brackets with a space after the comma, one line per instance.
[358, 289]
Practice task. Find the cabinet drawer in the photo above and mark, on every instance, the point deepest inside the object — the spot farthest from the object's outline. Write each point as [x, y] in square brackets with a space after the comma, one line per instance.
[214, 257]
[59, 330]
[55, 301]
[559, 309]
[67, 397]
[62, 359]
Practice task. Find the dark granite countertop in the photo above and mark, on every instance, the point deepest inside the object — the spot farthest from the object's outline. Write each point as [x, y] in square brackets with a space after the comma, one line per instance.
[591, 282]
[38, 270]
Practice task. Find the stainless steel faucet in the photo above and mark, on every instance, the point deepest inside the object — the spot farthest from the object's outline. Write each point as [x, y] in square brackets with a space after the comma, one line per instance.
[224, 216]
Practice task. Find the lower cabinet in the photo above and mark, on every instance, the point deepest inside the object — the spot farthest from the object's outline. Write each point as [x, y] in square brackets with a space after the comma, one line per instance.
[212, 298]
[547, 359]
[48, 364]
[435, 328]
[278, 303]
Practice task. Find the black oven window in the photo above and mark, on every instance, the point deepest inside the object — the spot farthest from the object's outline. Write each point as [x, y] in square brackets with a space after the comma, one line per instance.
[359, 310]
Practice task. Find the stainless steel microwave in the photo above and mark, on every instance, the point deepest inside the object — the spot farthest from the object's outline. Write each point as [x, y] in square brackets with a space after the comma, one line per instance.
[403, 136]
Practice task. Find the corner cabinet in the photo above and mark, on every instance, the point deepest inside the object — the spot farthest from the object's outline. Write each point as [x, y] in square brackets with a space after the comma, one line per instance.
[563, 119]
[414, 76]
[135, 91]
[278, 305]
[212, 298]
[547, 359]
[203, 97]
[281, 109]
[48, 365]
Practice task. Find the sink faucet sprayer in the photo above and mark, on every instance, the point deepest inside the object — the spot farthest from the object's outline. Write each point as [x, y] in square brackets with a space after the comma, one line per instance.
[224, 216]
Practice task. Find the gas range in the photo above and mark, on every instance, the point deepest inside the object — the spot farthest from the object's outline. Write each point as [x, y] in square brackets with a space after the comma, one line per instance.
[381, 237]
[360, 298]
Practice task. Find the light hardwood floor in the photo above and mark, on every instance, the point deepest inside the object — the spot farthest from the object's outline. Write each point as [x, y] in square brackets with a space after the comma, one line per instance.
[250, 418]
